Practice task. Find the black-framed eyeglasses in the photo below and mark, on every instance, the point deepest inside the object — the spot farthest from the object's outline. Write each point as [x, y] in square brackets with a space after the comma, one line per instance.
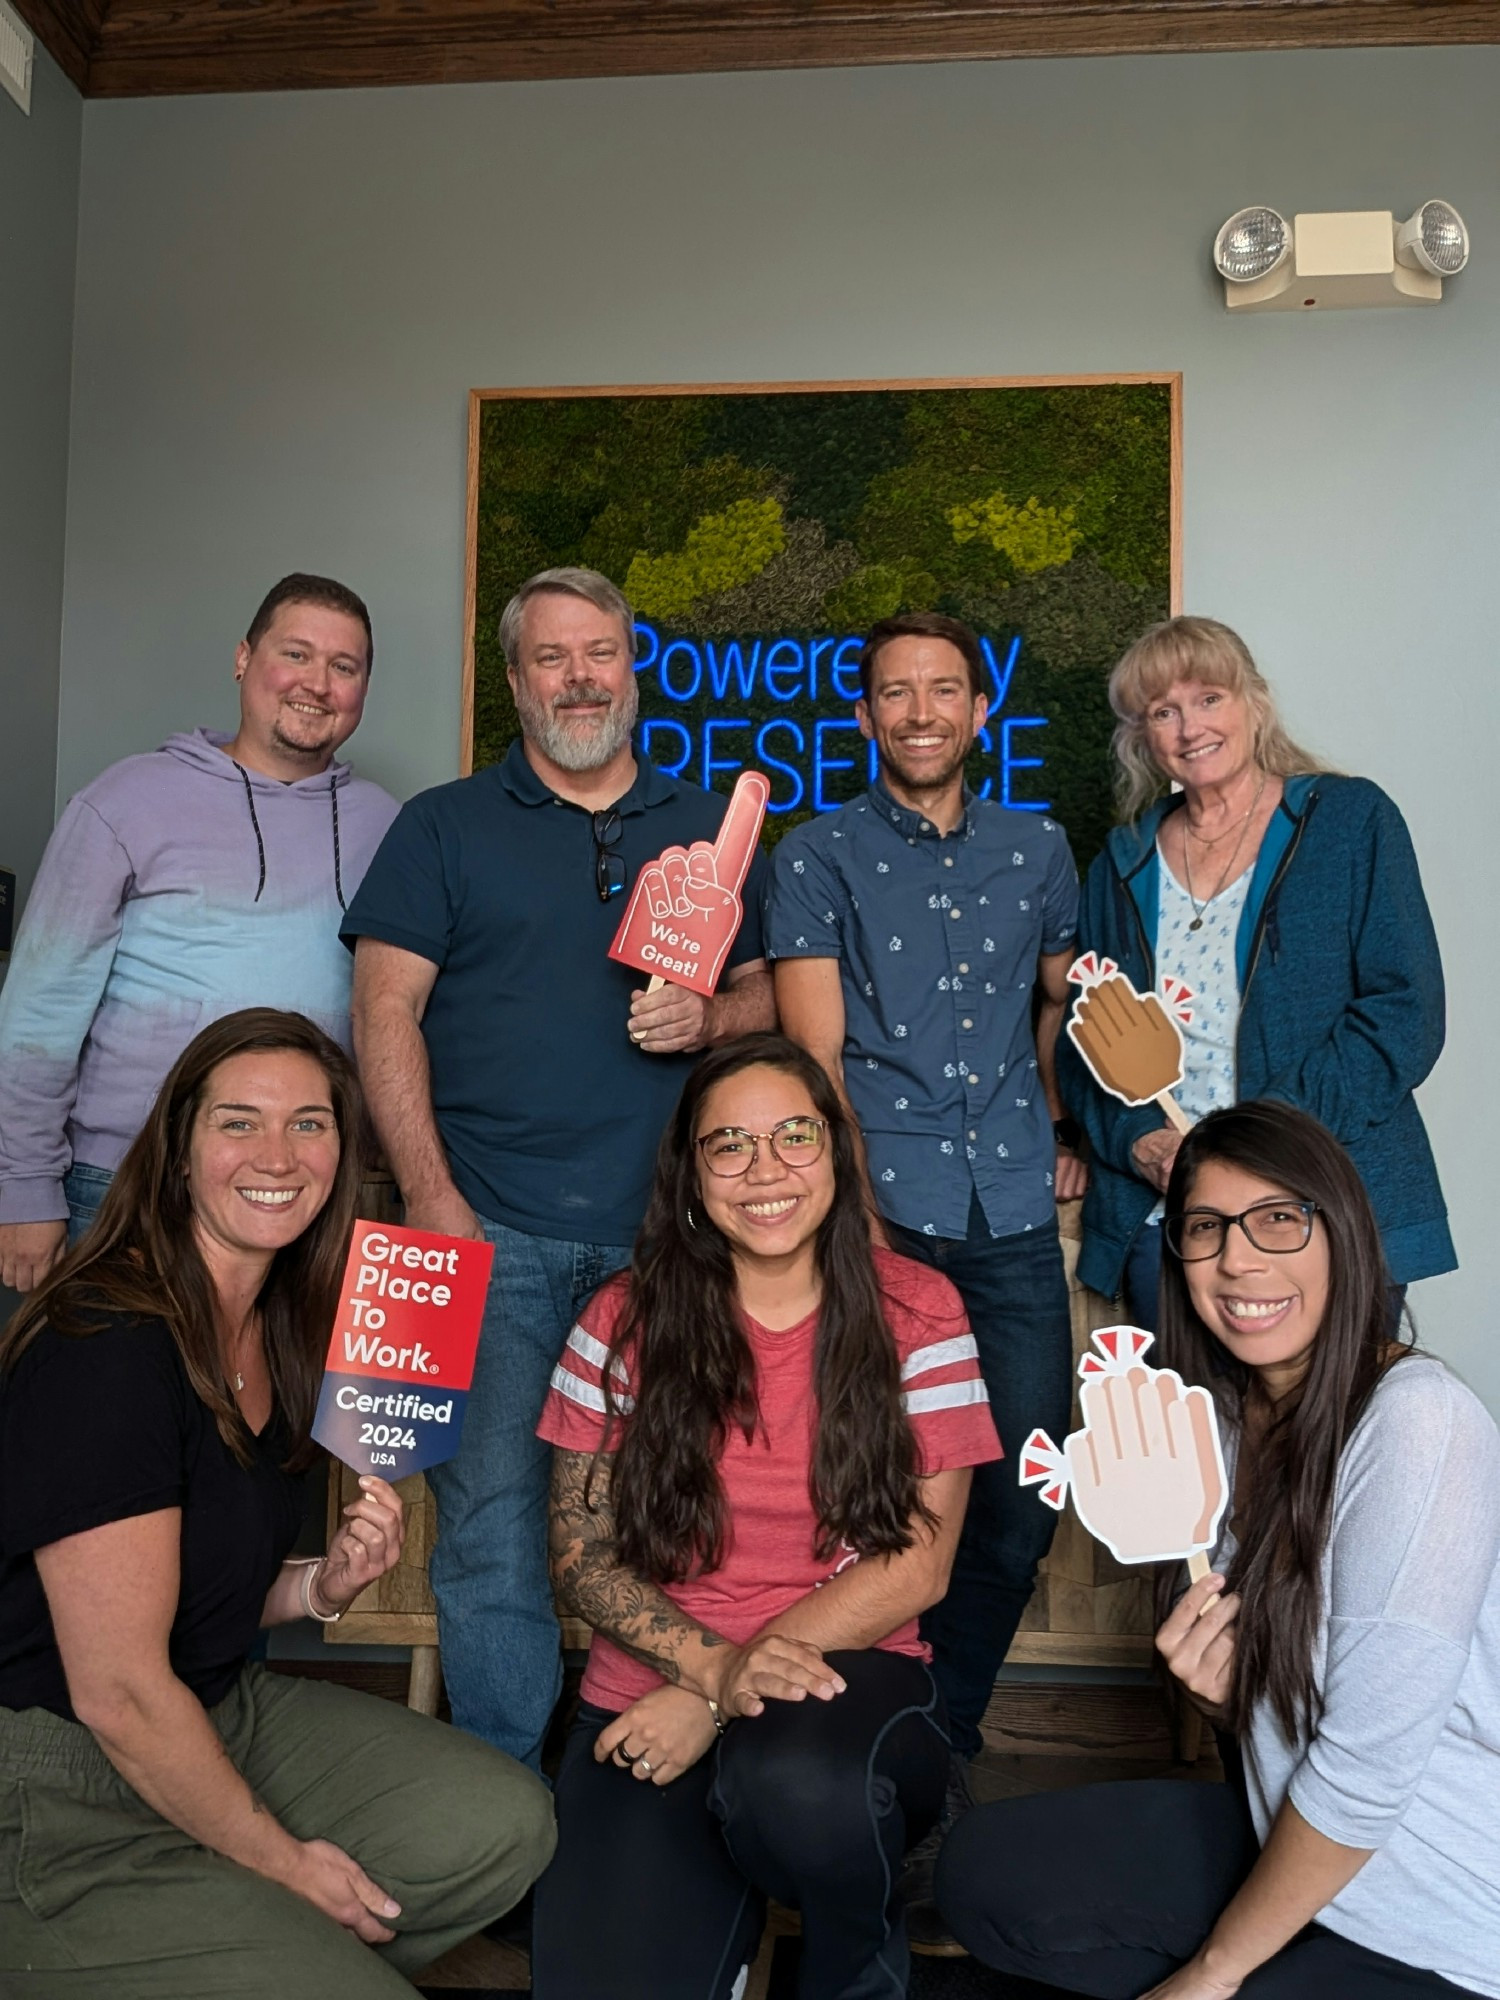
[730, 1152]
[1276, 1227]
[609, 863]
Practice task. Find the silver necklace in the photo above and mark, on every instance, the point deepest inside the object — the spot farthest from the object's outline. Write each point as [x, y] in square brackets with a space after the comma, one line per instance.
[1187, 861]
[1213, 839]
[248, 1327]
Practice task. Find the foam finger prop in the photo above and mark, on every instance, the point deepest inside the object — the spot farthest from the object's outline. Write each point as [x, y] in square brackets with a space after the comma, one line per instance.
[685, 909]
[402, 1354]
[1129, 1040]
[1146, 1471]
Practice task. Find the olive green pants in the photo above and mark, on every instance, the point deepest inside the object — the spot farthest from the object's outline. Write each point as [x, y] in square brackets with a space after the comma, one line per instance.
[101, 1897]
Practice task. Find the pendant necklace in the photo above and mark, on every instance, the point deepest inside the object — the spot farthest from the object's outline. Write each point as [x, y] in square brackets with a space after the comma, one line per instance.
[1187, 860]
[239, 1378]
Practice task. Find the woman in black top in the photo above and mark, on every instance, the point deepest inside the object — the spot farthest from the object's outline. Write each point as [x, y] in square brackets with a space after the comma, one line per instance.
[171, 1821]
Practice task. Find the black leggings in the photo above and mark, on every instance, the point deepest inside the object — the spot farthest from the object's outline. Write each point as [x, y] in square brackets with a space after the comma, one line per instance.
[1109, 1888]
[658, 1892]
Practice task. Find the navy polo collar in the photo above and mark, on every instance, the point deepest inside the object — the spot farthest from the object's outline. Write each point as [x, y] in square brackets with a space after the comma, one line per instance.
[650, 786]
[912, 825]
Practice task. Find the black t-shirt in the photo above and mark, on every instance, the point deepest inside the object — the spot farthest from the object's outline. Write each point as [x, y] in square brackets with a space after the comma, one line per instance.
[106, 1427]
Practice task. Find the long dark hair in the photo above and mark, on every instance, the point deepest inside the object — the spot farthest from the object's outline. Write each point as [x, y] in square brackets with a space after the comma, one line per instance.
[141, 1256]
[1283, 1527]
[693, 1370]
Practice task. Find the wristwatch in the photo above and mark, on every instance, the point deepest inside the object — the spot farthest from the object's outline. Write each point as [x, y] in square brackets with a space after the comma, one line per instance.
[1068, 1133]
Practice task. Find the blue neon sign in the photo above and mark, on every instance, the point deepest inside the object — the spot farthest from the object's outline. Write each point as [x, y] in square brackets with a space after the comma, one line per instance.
[818, 679]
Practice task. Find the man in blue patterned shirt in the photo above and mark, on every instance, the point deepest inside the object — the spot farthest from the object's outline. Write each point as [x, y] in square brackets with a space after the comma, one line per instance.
[908, 931]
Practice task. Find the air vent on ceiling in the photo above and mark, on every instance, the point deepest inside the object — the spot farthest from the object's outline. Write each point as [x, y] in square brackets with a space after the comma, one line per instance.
[17, 44]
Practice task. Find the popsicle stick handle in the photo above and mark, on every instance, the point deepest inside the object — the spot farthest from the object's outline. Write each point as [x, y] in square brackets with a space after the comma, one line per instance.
[655, 983]
[1197, 1567]
[1175, 1115]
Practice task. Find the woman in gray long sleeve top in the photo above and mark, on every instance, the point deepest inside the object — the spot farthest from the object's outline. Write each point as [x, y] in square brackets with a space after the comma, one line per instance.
[1349, 1637]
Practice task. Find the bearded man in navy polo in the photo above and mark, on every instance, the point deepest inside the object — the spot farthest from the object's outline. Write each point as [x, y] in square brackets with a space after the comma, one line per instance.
[520, 1079]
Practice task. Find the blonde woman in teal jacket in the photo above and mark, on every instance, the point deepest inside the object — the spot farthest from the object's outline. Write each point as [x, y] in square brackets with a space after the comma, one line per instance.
[1288, 898]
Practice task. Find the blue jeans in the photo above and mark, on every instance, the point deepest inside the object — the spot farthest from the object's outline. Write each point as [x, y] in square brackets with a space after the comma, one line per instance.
[1016, 1296]
[83, 1190]
[1141, 1281]
[496, 1625]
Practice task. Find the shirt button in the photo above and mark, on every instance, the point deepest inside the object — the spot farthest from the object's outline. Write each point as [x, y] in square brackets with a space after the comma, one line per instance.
[963, 968]
[972, 1077]
[968, 1024]
[955, 913]
[926, 826]
[973, 1135]
[947, 860]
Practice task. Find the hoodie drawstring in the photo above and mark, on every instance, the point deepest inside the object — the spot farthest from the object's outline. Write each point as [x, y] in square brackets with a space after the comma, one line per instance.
[260, 845]
[338, 886]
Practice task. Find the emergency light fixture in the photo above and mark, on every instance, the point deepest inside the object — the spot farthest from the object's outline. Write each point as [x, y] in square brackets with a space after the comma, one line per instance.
[1360, 257]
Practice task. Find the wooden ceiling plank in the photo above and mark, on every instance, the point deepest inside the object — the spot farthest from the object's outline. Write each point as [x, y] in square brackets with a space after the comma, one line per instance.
[67, 30]
[147, 48]
[213, 26]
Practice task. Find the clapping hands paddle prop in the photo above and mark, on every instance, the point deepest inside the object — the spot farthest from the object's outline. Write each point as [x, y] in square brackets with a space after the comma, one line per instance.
[1129, 1040]
[1146, 1471]
[685, 908]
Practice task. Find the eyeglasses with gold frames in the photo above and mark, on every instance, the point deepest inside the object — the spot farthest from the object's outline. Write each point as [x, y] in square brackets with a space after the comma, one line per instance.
[729, 1152]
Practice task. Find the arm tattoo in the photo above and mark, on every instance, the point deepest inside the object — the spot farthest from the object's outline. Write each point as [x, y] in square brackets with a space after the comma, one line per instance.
[592, 1582]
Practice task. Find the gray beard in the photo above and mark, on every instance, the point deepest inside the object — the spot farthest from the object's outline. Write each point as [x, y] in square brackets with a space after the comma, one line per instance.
[548, 729]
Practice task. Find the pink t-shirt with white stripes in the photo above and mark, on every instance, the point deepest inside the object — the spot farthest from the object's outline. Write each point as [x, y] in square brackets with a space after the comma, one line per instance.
[769, 1562]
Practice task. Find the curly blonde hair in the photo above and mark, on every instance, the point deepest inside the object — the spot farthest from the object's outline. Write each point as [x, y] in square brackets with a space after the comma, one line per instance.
[1190, 649]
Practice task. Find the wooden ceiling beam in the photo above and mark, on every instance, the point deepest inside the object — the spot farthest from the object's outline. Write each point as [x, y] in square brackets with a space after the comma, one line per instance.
[166, 47]
[68, 30]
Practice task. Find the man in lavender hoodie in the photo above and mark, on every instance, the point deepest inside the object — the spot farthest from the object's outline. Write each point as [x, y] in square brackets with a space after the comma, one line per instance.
[206, 876]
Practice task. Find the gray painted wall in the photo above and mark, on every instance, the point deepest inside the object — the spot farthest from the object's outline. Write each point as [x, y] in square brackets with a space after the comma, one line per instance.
[283, 300]
[39, 162]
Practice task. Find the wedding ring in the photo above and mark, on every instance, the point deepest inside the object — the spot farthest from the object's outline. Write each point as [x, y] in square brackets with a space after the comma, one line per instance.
[644, 1766]
[623, 1754]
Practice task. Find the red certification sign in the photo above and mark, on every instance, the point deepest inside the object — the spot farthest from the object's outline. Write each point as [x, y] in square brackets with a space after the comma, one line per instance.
[685, 908]
[402, 1354]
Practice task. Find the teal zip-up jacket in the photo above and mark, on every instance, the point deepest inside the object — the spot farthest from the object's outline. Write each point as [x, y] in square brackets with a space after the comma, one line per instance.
[1341, 1009]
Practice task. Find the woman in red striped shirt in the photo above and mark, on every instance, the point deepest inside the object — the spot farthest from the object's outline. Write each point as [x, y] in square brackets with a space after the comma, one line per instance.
[763, 1438]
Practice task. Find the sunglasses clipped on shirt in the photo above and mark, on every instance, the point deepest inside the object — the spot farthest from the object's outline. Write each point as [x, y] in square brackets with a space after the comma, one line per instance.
[609, 863]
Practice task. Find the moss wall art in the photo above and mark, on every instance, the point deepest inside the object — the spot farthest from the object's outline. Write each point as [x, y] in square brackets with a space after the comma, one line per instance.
[758, 533]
